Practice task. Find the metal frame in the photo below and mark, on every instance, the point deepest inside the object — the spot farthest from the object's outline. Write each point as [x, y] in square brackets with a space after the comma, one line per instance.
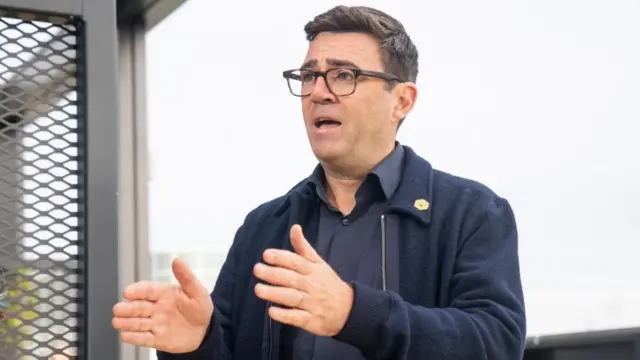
[65, 7]
[616, 344]
[118, 251]
[149, 12]
[134, 262]
[102, 183]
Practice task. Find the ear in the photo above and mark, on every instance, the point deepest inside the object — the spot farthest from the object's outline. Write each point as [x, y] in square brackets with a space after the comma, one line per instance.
[406, 95]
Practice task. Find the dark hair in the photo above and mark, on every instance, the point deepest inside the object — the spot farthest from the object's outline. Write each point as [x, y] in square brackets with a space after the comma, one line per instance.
[399, 54]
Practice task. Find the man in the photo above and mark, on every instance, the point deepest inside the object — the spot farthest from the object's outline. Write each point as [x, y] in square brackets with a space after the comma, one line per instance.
[375, 256]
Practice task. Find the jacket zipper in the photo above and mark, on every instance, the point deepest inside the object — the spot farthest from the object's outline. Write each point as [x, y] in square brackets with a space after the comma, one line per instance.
[270, 331]
[383, 245]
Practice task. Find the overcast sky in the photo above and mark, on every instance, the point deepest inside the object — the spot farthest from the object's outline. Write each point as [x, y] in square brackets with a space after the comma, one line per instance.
[536, 99]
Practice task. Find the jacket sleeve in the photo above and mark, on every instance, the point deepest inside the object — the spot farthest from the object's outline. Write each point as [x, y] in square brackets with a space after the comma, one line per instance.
[218, 342]
[484, 320]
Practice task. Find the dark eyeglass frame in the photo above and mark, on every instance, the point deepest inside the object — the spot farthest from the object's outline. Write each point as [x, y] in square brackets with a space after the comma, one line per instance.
[289, 75]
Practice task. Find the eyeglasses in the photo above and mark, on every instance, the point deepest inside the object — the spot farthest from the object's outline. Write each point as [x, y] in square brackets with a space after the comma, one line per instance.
[341, 82]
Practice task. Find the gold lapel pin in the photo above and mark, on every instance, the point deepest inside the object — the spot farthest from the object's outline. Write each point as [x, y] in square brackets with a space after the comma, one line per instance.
[421, 204]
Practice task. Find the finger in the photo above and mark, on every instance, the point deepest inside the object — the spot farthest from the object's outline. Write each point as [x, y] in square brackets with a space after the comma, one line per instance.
[144, 290]
[146, 339]
[289, 260]
[280, 276]
[132, 324]
[295, 317]
[301, 246]
[136, 308]
[280, 295]
[188, 280]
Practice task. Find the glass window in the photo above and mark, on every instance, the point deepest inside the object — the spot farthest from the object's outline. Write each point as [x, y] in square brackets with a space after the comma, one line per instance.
[161, 261]
[166, 279]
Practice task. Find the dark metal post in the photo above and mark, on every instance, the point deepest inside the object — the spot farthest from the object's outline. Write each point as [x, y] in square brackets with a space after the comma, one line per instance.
[101, 212]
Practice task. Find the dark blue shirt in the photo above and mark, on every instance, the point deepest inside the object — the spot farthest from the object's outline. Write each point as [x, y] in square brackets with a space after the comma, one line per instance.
[351, 244]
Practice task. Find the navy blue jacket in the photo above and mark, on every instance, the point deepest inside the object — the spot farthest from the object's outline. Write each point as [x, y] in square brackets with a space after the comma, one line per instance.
[458, 297]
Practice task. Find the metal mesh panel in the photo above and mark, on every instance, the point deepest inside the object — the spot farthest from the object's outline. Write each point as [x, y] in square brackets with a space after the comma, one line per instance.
[40, 197]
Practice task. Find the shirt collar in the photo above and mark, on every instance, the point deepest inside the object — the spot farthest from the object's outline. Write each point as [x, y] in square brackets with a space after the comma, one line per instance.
[416, 185]
[388, 174]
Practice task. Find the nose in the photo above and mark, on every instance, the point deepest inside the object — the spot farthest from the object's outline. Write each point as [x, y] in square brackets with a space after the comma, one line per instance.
[320, 91]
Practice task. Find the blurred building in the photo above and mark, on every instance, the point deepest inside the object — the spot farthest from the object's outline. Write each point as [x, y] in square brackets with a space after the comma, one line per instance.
[206, 265]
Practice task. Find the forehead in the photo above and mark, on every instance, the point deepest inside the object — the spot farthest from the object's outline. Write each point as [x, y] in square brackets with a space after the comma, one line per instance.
[357, 48]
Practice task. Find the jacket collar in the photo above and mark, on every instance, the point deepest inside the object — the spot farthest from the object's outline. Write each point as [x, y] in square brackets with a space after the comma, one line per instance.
[413, 197]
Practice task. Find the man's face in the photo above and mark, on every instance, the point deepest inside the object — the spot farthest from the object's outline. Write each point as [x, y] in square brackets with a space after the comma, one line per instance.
[363, 121]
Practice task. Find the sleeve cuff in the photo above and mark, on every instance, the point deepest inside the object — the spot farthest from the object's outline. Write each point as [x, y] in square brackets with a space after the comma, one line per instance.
[369, 313]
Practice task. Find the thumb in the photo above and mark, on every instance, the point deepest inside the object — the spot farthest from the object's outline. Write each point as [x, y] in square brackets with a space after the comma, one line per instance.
[301, 246]
[187, 279]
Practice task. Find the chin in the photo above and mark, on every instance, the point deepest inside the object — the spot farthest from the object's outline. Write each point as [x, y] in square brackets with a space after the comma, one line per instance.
[327, 152]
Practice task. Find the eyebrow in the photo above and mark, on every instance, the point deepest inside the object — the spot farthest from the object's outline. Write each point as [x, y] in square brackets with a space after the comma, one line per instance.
[332, 62]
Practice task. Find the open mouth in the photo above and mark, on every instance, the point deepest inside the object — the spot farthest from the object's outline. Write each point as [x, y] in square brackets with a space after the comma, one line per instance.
[326, 123]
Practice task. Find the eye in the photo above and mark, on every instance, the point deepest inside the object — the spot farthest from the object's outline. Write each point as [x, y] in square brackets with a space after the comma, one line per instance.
[343, 75]
[307, 76]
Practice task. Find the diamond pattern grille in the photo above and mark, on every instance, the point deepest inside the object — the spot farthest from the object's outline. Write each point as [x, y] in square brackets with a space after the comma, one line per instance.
[40, 194]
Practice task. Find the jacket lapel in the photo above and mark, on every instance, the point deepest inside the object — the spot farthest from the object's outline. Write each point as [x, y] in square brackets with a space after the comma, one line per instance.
[409, 219]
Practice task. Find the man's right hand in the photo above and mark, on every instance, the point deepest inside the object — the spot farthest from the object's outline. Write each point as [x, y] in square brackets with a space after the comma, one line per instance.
[170, 318]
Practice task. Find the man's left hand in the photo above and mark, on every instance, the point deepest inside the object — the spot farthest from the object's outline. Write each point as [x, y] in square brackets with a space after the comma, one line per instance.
[313, 296]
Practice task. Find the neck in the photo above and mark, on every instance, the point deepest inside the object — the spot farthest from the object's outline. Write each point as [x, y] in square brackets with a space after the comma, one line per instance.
[341, 192]
[344, 181]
